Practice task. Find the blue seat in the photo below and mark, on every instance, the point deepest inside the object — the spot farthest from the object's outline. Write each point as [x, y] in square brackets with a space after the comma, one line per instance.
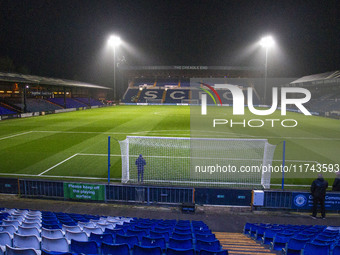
[295, 245]
[178, 251]
[205, 237]
[336, 249]
[138, 233]
[316, 249]
[210, 245]
[114, 232]
[180, 243]
[157, 241]
[205, 252]
[144, 228]
[146, 250]
[99, 238]
[280, 240]
[89, 247]
[259, 233]
[155, 234]
[163, 229]
[129, 240]
[268, 235]
[43, 252]
[183, 231]
[121, 249]
[181, 235]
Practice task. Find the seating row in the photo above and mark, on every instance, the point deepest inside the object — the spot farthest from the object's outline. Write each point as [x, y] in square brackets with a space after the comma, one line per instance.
[296, 239]
[92, 234]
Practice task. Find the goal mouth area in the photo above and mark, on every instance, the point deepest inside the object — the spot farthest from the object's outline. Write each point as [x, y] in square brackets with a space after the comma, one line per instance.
[203, 162]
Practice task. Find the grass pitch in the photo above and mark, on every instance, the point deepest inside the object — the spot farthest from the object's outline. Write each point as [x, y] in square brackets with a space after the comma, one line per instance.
[73, 145]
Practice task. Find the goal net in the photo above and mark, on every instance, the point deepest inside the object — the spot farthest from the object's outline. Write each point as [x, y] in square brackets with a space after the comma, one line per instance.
[198, 161]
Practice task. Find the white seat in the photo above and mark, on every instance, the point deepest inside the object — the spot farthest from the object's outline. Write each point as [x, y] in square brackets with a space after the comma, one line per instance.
[71, 228]
[35, 220]
[104, 226]
[89, 230]
[15, 223]
[2, 250]
[33, 217]
[60, 244]
[26, 241]
[6, 238]
[28, 231]
[21, 251]
[78, 236]
[31, 225]
[34, 213]
[113, 221]
[19, 218]
[86, 224]
[8, 228]
[52, 233]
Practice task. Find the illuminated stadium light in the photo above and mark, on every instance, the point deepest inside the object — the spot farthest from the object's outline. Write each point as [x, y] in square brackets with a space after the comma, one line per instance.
[114, 41]
[267, 41]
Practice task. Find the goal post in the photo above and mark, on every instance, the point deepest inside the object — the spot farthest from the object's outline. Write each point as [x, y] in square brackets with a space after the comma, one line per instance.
[198, 161]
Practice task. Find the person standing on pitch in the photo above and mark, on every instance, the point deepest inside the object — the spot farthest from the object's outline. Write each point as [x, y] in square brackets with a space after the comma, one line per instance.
[318, 190]
[140, 163]
[336, 183]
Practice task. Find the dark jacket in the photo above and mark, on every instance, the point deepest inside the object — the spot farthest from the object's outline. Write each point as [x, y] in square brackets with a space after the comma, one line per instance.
[319, 187]
[336, 184]
[140, 162]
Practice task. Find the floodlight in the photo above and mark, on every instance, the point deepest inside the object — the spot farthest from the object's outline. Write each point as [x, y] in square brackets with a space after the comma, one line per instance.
[114, 40]
[267, 41]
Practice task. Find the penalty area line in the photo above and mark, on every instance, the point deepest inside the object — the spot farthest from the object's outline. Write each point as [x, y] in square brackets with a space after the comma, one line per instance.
[57, 164]
[7, 137]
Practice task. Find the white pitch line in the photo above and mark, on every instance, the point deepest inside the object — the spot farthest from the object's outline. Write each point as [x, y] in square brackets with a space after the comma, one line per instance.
[58, 164]
[31, 175]
[3, 138]
[56, 176]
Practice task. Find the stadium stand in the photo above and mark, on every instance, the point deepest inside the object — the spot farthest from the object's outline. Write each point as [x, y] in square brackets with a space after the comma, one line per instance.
[4, 111]
[88, 101]
[170, 92]
[296, 239]
[70, 103]
[63, 233]
[39, 105]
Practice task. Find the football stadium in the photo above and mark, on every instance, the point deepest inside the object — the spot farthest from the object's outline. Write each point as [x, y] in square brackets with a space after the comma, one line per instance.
[168, 159]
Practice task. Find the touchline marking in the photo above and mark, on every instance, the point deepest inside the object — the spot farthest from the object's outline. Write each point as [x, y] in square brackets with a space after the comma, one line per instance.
[3, 138]
[58, 164]
[56, 176]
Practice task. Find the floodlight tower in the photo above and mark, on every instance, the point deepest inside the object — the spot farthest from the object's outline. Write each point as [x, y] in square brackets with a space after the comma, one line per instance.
[266, 42]
[114, 41]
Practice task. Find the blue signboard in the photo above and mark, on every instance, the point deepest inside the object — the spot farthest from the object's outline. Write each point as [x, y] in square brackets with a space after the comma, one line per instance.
[304, 200]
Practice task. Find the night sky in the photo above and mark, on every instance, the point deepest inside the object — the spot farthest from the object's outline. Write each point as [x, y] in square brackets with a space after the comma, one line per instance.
[68, 39]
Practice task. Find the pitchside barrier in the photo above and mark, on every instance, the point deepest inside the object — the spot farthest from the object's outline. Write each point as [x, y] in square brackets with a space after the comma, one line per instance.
[291, 200]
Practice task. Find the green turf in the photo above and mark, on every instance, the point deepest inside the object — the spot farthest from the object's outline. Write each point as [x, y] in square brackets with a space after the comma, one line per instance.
[38, 146]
